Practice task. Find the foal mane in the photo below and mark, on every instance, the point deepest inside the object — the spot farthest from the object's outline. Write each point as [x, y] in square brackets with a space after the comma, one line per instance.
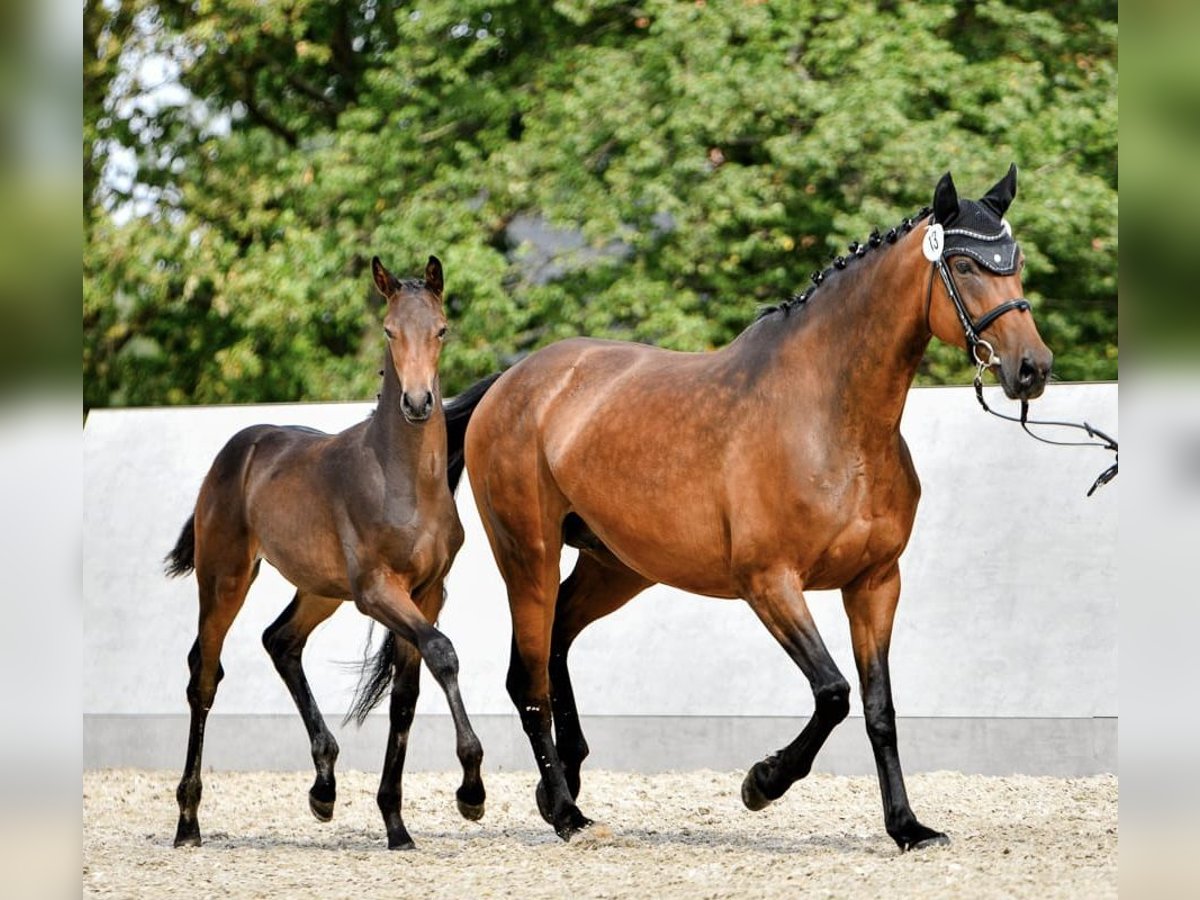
[857, 251]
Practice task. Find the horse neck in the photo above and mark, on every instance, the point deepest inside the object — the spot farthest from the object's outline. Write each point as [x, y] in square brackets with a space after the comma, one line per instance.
[414, 454]
[857, 344]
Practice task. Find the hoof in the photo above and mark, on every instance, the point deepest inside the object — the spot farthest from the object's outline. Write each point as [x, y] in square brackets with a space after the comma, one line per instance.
[752, 794]
[322, 809]
[472, 812]
[398, 839]
[187, 834]
[919, 838]
[543, 801]
[576, 823]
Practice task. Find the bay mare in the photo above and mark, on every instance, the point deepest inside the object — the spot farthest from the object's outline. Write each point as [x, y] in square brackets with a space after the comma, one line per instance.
[759, 471]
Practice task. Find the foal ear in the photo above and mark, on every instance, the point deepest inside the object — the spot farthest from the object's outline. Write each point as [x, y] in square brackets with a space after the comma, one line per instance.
[385, 281]
[433, 275]
[1001, 196]
[945, 200]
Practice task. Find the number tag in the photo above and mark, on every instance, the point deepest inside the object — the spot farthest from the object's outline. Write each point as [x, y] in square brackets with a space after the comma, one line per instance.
[934, 242]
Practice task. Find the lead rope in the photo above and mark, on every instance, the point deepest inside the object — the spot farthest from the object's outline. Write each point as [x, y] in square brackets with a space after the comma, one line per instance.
[1104, 442]
[974, 343]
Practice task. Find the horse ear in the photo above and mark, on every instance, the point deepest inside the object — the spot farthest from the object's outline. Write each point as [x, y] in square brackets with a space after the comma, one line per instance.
[385, 281]
[945, 200]
[1001, 196]
[433, 275]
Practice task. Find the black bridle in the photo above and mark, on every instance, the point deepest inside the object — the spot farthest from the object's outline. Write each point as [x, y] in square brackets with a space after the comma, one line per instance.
[972, 329]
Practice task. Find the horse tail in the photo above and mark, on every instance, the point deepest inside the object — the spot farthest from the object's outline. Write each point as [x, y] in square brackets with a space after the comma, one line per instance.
[374, 679]
[458, 413]
[182, 559]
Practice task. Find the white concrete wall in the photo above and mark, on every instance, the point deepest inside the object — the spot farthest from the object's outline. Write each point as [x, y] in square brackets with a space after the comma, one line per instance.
[1009, 607]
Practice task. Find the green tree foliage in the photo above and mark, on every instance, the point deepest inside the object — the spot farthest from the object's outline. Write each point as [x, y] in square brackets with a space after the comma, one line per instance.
[710, 154]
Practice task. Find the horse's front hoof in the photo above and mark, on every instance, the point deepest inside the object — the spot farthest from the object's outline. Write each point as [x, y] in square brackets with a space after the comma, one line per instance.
[919, 837]
[322, 809]
[187, 834]
[472, 812]
[401, 841]
[576, 822]
[752, 794]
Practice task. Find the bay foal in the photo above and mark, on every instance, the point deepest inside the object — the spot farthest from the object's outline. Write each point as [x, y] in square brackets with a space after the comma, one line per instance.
[365, 515]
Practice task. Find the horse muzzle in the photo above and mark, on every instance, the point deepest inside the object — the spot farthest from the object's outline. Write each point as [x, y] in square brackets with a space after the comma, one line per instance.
[1027, 379]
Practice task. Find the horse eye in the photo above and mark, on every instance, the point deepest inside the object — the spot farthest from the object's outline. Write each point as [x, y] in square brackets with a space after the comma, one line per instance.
[963, 266]
[389, 334]
[441, 333]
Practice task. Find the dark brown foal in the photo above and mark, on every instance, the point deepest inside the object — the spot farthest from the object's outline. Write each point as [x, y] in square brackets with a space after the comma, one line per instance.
[763, 470]
[365, 515]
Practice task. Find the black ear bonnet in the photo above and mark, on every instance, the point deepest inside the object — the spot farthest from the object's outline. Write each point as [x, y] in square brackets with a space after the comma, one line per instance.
[976, 231]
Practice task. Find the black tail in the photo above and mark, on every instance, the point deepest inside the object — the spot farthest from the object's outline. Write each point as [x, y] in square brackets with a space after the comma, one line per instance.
[375, 677]
[458, 414]
[182, 559]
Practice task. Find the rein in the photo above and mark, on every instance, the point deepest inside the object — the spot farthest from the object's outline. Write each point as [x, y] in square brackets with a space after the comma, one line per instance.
[971, 331]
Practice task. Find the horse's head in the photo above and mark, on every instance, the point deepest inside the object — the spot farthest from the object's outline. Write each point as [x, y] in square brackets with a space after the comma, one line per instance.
[980, 261]
[415, 325]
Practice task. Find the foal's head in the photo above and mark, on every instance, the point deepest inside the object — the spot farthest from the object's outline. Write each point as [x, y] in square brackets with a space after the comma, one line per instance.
[415, 325]
[984, 263]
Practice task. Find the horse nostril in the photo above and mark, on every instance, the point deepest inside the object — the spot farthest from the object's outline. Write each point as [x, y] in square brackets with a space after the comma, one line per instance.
[1027, 373]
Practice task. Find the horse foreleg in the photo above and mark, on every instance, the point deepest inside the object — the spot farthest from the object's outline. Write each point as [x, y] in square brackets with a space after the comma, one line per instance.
[406, 686]
[778, 600]
[284, 640]
[871, 607]
[386, 601]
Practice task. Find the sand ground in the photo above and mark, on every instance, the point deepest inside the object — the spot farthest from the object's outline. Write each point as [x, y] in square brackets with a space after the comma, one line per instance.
[667, 835]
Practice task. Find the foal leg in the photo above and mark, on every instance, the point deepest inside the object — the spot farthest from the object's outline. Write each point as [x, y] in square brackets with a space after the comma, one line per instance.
[406, 685]
[778, 600]
[284, 640]
[470, 795]
[221, 597]
[871, 608]
[388, 602]
[598, 585]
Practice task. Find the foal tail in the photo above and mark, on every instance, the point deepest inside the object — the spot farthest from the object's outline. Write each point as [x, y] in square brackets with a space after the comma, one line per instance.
[458, 413]
[374, 678]
[182, 559]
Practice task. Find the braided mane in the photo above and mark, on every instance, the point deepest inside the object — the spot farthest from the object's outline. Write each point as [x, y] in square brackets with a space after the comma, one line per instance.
[856, 251]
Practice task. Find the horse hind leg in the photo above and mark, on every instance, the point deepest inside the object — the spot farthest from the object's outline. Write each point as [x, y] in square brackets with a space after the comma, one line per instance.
[598, 585]
[284, 640]
[779, 602]
[531, 574]
[222, 589]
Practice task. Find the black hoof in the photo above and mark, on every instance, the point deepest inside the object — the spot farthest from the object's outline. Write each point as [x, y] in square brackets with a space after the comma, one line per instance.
[187, 834]
[472, 812]
[322, 809]
[920, 837]
[399, 839]
[543, 801]
[752, 794]
[575, 823]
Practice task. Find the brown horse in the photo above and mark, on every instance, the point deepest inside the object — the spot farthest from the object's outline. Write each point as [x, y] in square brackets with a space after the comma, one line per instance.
[767, 468]
[365, 515]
